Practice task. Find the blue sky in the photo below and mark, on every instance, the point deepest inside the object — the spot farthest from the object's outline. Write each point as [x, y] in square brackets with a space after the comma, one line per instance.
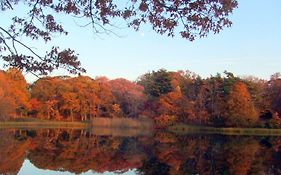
[252, 46]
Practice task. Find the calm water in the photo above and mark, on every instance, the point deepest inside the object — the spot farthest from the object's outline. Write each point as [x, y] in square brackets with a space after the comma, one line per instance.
[58, 151]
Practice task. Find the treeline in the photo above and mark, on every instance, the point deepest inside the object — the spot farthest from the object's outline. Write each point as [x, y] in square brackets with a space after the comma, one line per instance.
[221, 100]
[66, 98]
[167, 97]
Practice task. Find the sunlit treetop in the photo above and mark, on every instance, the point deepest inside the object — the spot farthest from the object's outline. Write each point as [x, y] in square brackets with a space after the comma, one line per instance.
[189, 19]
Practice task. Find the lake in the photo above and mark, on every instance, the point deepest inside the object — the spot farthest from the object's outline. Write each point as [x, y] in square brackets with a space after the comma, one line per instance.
[106, 151]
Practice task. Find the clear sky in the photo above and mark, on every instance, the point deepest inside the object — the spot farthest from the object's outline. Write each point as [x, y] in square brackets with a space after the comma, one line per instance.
[252, 46]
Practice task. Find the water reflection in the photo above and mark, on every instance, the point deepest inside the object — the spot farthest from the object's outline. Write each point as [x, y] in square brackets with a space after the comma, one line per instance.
[29, 169]
[54, 151]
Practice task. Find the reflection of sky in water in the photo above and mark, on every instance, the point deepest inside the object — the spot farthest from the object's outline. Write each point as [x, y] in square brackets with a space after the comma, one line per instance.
[29, 169]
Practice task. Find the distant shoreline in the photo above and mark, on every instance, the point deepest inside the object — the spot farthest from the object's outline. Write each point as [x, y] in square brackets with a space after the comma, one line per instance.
[126, 130]
[185, 129]
[97, 122]
[182, 129]
[43, 124]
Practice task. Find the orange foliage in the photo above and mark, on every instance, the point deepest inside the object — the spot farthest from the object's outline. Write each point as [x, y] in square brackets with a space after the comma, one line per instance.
[14, 95]
[240, 109]
[79, 98]
[163, 121]
[219, 101]
[129, 95]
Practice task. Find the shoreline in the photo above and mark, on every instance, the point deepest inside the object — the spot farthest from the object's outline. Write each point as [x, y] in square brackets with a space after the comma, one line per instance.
[128, 131]
[43, 124]
[181, 129]
[184, 129]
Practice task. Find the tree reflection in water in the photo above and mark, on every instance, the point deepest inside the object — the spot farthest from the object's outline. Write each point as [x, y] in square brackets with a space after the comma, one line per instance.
[79, 151]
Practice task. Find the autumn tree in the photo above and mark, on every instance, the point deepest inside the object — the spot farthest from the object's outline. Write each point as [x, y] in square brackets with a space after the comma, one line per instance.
[213, 95]
[171, 108]
[108, 106]
[129, 95]
[68, 99]
[79, 98]
[195, 92]
[7, 104]
[257, 88]
[45, 92]
[14, 94]
[85, 91]
[240, 110]
[175, 107]
[180, 104]
[19, 87]
[189, 19]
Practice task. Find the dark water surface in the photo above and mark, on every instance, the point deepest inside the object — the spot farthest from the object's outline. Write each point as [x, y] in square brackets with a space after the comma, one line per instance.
[70, 151]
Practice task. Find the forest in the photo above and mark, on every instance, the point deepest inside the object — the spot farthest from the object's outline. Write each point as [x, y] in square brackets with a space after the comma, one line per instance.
[168, 97]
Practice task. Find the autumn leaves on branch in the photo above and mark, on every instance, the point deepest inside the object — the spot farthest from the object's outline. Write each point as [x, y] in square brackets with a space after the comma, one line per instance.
[188, 19]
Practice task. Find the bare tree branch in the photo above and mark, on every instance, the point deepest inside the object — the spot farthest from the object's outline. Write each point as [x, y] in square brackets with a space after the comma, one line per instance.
[28, 48]
[9, 4]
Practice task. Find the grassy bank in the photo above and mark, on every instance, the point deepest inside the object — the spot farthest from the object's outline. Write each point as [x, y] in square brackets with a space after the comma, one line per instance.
[118, 123]
[121, 132]
[138, 123]
[188, 129]
[43, 124]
